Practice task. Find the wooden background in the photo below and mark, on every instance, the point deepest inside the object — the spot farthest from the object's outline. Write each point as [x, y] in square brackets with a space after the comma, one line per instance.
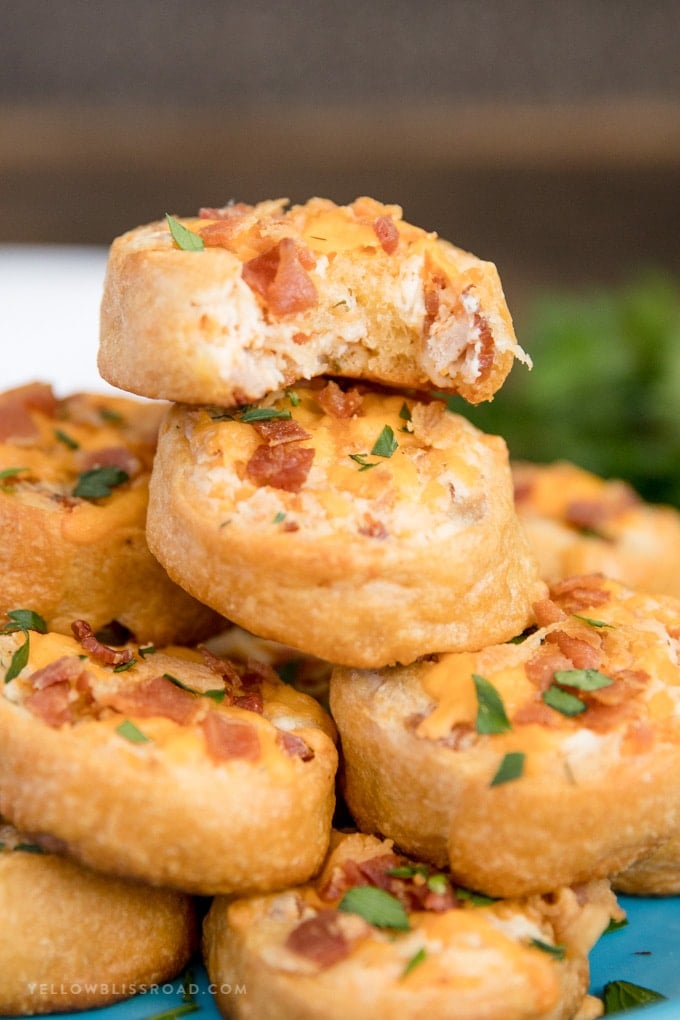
[544, 136]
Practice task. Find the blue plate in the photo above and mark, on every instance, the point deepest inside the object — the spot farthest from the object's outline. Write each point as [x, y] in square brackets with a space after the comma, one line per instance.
[646, 952]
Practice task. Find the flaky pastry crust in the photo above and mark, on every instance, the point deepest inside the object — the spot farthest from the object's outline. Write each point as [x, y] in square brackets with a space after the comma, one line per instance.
[579, 523]
[298, 957]
[278, 295]
[68, 555]
[181, 772]
[543, 798]
[73, 939]
[293, 528]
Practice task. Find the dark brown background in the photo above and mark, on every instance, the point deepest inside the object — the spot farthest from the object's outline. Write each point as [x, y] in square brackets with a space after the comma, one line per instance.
[544, 136]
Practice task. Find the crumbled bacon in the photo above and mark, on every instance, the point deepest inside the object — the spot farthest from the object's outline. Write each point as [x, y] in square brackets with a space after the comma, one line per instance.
[225, 212]
[372, 528]
[280, 277]
[627, 684]
[546, 612]
[602, 718]
[157, 697]
[486, 347]
[583, 591]
[592, 514]
[223, 667]
[582, 653]
[112, 456]
[227, 739]
[68, 668]
[640, 736]
[435, 281]
[102, 653]
[283, 467]
[51, 704]
[280, 430]
[387, 233]
[16, 421]
[250, 702]
[535, 713]
[337, 402]
[301, 338]
[320, 939]
[294, 746]
[413, 891]
[542, 666]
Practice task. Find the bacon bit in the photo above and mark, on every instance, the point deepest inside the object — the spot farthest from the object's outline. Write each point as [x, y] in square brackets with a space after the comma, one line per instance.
[101, 652]
[640, 736]
[337, 402]
[66, 669]
[227, 739]
[250, 702]
[16, 405]
[372, 528]
[546, 612]
[157, 697]
[541, 667]
[257, 672]
[280, 430]
[387, 233]
[226, 212]
[223, 667]
[602, 718]
[435, 281]
[536, 713]
[372, 871]
[582, 654]
[112, 456]
[674, 633]
[320, 939]
[291, 526]
[301, 338]
[460, 736]
[593, 514]
[413, 892]
[627, 684]
[294, 746]
[51, 704]
[581, 592]
[486, 347]
[280, 277]
[283, 467]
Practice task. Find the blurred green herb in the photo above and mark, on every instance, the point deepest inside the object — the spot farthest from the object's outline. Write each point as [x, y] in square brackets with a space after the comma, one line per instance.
[605, 387]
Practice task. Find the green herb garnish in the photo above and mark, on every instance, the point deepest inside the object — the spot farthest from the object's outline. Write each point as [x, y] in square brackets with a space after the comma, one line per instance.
[386, 443]
[176, 1012]
[24, 619]
[582, 679]
[376, 906]
[438, 884]
[8, 474]
[558, 951]
[478, 899]
[622, 995]
[112, 417]
[510, 768]
[67, 440]
[415, 960]
[280, 517]
[405, 412]
[29, 848]
[520, 638]
[215, 694]
[562, 701]
[18, 660]
[293, 397]
[591, 622]
[263, 414]
[360, 459]
[97, 483]
[616, 925]
[491, 715]
[146, 650]
[184, 238]
[130, 732]
[408, 871]
[122, 667]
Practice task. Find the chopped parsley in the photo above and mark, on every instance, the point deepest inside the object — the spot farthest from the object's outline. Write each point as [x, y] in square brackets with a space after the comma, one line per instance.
[615, 925]
[263, 414]
[558, 951]
[130, 732]
[360, 459]
[622, 995]
[29, 848]
[293, 397]
[112, 417]
[408, 870]
[438, 884]
[376, 906]
[582, 679]
[405, 412]
[8, 475]
[122, 667]
[562, 701]
[146, 650]
[520, 638]
[184, 238]
[24, 619]
[415, 960]
[491, 715]
[176, 1011]
[97, 483]
[67, 440]
[591, 622]
[510, 768]
[280, 517]
[216, 694]
[477, 899]
[386, 443]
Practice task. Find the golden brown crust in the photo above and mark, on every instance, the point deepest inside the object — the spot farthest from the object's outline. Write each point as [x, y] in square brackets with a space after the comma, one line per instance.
[578, 523]
[655, 875]
[207, 326]
[187, 805]
[463, 962]
[371, 559]
[73, 939]
[68, 556]
[417, 769]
